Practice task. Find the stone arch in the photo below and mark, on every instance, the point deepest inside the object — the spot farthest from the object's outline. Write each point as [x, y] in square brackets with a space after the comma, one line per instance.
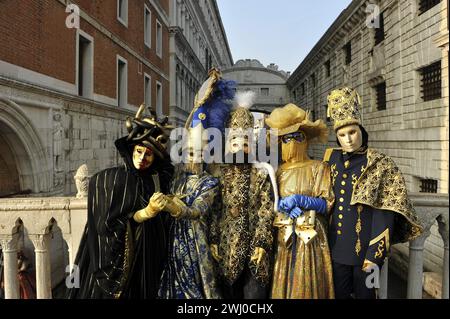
[24, 148]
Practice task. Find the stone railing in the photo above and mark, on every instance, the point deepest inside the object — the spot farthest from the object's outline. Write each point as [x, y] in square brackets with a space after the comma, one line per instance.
[431, 209]
[32, 224]
[37, 219]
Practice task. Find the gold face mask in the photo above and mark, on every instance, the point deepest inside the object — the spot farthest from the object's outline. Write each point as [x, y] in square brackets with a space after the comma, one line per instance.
[294, 151]
[143, 157]
[294, 147]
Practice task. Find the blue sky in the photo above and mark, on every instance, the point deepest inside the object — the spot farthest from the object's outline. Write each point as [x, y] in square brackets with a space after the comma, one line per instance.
[277, 31]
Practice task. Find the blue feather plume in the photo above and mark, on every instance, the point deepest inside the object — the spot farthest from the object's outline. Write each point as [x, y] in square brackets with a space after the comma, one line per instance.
[218, 107]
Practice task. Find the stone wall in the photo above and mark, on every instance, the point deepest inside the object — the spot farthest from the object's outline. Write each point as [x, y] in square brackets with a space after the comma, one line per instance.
[413, 132]
[70, 131]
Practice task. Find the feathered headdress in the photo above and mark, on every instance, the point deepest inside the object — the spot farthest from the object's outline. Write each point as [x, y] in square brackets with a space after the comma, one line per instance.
[241, 117]
[212, 106]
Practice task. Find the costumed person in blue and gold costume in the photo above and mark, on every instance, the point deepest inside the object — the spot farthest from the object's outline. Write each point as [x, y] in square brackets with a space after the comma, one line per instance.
[189, 272]
[372, 209]
[302, 263]
[122, 251]
[242, 232]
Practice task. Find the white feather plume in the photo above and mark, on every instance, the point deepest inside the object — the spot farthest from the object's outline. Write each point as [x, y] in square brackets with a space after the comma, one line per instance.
[244, 99]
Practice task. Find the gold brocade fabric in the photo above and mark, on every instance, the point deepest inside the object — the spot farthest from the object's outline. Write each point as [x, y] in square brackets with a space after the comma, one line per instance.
[311, 276]
[245, 222]
[382, 186]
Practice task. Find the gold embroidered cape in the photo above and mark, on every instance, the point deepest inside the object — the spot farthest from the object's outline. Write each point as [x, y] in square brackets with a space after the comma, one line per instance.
[382, 186]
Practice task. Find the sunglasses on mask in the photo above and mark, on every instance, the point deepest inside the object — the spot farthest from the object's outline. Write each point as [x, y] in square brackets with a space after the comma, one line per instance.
[297, 136]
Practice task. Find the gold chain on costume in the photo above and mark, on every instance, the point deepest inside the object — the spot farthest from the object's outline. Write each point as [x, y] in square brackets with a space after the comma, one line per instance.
[358, 230]
[334, 173]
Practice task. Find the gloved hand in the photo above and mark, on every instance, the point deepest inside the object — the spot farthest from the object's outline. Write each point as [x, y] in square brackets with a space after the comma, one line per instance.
[368, 265]
[215, 252]
[173, 207]
[295, 212]
[258, 255]
[304, 202]
[155, 205]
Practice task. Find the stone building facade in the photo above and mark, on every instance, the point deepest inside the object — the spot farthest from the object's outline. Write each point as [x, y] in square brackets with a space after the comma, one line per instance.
[66, 87]
[198, 42]
[388, 70]
[400, 69]
[268, 83]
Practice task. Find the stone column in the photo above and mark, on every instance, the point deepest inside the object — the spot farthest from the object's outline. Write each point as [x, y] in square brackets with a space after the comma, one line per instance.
[9, 248]
[443, 230]
[415, 270]
[41, 244]
[383, 291]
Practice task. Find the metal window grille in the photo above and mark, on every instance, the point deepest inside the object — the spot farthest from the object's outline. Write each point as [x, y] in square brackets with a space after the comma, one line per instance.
[328, 68]
[348, 53]
[428, 186]
[425, 5]
[431, 86]
[381, 96]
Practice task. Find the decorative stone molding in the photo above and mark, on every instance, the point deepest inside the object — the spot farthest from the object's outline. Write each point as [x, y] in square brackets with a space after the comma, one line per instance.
[36, 218]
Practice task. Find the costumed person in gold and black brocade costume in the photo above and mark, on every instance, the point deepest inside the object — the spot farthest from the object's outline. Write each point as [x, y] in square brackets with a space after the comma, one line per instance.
[122, 251]
[302, 262]
[372, 209]
[241, 235]
[190, 271]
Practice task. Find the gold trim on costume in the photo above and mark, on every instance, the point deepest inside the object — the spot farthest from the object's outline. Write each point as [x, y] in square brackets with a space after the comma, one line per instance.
[383, 235]
[358, 229]
[328, 152]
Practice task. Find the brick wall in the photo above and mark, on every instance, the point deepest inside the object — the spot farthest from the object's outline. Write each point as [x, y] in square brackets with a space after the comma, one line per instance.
[37, 39]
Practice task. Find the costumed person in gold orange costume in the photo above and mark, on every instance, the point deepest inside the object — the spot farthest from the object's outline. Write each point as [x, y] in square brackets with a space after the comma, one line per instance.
[302, 263]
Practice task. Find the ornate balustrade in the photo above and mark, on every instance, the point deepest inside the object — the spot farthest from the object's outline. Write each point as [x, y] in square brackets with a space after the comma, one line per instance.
[37, 218]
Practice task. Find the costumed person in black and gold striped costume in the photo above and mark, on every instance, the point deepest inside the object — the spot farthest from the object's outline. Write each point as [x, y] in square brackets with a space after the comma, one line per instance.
[122, 251]
[372, 210]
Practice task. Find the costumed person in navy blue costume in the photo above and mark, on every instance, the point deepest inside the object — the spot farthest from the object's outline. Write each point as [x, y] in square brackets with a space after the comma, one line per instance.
[189, 272]
[122, 251]
[372, 210]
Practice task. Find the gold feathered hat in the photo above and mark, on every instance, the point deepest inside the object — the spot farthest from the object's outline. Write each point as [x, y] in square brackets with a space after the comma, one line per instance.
[290, 118]
[240, 116]
[343, 107]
